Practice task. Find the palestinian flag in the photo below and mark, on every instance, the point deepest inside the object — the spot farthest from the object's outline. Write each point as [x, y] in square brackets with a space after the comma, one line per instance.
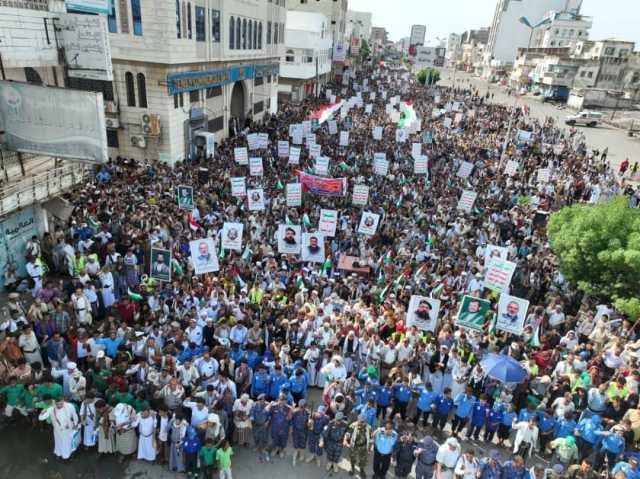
[419, 272]
[535, 339]
[279, 185]
[287, 220]
[437, 291]
[305, 220]
[383, 293]
[222, 253]
[133, 296]
[237, 277]
[193, 224]
[326, 266]
[327, 111]
[247, 254]
[93, 222]
[400, 280]
[299, 280]
[408, 115]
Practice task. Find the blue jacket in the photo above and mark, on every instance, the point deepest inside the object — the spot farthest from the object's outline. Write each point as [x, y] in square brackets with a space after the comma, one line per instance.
[298, 384]
[612, 443]
[276, 383]
[564, 427]
[494, 418]
[260, 384]
[111, 345]
[546, 422]
[402, 393]
[509, 471]
[525, 414]
[385, 394]
[589, 429]
[443, 404]
[426, 399]
[507, 418]
[464, 405]
[479, 413]
[364, 395]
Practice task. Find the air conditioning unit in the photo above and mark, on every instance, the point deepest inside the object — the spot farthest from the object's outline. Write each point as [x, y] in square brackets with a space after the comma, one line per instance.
[139, 141]
[112, 123]
[150, 124]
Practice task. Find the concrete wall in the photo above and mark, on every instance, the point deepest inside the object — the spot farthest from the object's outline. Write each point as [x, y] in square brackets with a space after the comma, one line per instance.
[23, 38]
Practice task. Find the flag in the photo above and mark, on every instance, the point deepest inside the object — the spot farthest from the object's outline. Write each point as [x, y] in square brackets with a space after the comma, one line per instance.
[326, 266]
[222, 253]
[299, 280]
[133, 296]
[403, 180]
[419, 272]
[237, 277]
[383, 293]
[380, 280]
[93, 222]
[287, 219]
[387, 258]
[279, 185]
[247, 254]
[193, 224]
[399, 281]
[305, 220]
[408, 116]
[492, 328]
[430, 240]
[535, 339]
[437, 291]
[344, 166]
[399, 201]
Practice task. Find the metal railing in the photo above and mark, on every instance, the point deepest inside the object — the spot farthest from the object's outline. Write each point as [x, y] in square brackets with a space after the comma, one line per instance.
[40, 187]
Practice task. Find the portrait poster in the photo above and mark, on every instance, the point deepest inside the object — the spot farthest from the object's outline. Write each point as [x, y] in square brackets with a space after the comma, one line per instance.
[467, 200]
[322, 166]
[328, 222]
[238, 186]
[294, 155]
[360, 195]
[160, 264]
[232, 236]
[401, 135]
[421, 165]
[344, 138]
[294, 194]
[255, 166]
[423, 313]
[241, 155]
[289, 239]
[368, 223]
[465, 169]
[283, 149]
[493, 251]
[255, 199]
[313, 247]
[512, 312]
[498, 275]
[474, 313]
[203, 256]
[377, 133]
[427, 137]
[185, 197]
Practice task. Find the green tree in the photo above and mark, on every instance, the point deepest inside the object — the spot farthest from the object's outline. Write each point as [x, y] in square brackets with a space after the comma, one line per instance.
[428, 76]
[599, 251]
[364, 50]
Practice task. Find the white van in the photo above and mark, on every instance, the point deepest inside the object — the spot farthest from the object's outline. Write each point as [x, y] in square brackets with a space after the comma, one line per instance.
[588, 118]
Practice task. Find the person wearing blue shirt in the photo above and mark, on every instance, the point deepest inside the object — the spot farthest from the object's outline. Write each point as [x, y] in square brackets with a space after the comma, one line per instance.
[546, 427]
[587, 435]
[298, 384]
[490, 468]
[504, 429]
[565, 426]
[401, 396]
[494, 419]
[366, 393]
[464, 404]
[278, 379]
[526, 412]
[441, 407]
[425, 400]
[384, 440]
[385, 394]
[260, 382]
[479, 413]
[111, 344]
[515, 469]
[612, 446]
[368, 410]
[629, 469]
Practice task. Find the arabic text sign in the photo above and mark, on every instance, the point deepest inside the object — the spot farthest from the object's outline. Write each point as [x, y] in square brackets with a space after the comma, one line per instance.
[328, 222]
[360, 195]
[467, 200]
[294, 194]
[498, 275]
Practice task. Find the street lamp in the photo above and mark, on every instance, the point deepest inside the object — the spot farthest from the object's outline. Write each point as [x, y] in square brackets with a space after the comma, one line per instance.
[525, 21]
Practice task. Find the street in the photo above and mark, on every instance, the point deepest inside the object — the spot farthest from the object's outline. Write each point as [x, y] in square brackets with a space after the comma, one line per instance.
[620, 145]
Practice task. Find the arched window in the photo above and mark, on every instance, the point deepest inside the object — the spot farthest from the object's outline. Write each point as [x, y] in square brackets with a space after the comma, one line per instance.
[142, 91]
[275, 33]
[260, 36]
[189, 31]
[178, 26]
[255, 34]
[131, 89]
[232, 33]
[244, 34]
[250, 33]
[238, 34]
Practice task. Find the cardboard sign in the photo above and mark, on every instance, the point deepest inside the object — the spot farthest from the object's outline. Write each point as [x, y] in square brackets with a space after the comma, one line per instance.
[512, 312]
[377, 133]
[344, 138]
[416, 150]
[499, 274]
[238, 186]
[467, 200]
[241, 155]
[255, 166]
[294, 155]
[328, 222]
[465, 169]
[421, 165]
[368, 223]
[333, 127]
[283, 149]
[511, 168]
[255, 199]
[315, 151]
[360, 195]
[322, 166]
[294, 194]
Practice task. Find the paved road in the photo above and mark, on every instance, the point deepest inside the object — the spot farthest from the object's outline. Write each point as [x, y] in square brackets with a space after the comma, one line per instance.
[620, 145]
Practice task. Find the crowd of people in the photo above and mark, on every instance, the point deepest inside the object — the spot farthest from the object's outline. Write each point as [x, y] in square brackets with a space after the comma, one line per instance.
[183, 372]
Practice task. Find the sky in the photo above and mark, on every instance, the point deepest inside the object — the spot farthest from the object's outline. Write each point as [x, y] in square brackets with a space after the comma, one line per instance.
[611, 18]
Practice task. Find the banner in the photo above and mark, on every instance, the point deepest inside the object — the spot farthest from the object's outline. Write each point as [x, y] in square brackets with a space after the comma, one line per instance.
[377, 133]
[238, 186]
[360, 195]
[499, 274]
[368, 223]
[328, 222]
[241, 155]
[256, 199]
[380, 165]
[255, 166]
[512, 312]
[294, 194]
[473, 313]
[467, 200]
[421, 165]
[322, 166]
[423, 313]
[294, 155]
[315, 151]
[283, 149]
[322, 186]
[263, 140]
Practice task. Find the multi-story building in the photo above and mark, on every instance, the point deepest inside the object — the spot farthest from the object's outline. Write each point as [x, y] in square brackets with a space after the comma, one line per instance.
[566, 29]
[378, 36]
[184, 70]
[454, 49]
[507, 33]
[306, 63]
[418, 34]
[358, 25]
[334, 10]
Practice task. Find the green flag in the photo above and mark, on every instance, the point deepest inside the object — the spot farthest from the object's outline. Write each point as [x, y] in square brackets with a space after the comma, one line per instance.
[305, 220]
[133, 296]
[279, 185]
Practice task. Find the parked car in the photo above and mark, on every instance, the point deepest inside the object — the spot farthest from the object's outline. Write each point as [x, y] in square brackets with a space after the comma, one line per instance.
[587, 118]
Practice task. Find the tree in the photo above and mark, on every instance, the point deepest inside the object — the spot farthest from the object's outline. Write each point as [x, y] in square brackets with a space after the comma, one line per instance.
[599, 251]
[364, 50]
[428, 76]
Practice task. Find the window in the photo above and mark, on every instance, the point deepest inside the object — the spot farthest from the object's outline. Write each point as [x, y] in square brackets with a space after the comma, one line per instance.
[250, 34]
[258, 107]
[130, 88]
[260, 36]
[142, 91]
[582, 74]
[589, 74]
[275, 33]
[232, 33]
[268, 33]
[189, 30]
[32, 76]
[215, 26]
[282, 33]
[184, 19]
[178, 100]
[216, 124]
[112, 20]
[178, 26]
[214, 92]
[136, 14]
[609, 51]
[112, 138]
[201, 32]
[194, 96]
[238, 34]
[255, 35]
[244, 34]
[258, 81]
[290, 56]
[102, 86]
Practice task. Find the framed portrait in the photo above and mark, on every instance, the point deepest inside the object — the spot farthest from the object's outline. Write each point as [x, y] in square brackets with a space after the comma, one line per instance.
[289, 239]
[313, 247]
[203, 256]
[160, 268]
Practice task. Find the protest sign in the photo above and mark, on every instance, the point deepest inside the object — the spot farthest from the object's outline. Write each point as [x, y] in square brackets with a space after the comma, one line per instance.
[416, 150]
[232, 236]
[344, 138]
[263, 140]
[421, 165]
[315, 151]
[294, 155]
[423, 313]
[203, 256]
[360, 195]
[368, 223]
[380, 165]
[255, 166]
[255, 199]
[498, 274]
[294, 194]
[467, 200]
[511, 168]
[512, 312]
[333, 127]
[544, 174]
[241, 155]
[465, 169]
[283, 149]
[328, 222]
[322, 166]
[473, 313]
[238, 186]
[377, 133]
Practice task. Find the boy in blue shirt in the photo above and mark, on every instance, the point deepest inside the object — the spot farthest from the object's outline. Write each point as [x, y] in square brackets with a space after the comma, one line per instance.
[504, 429]
[479, 413]
[260, 382]
[425, 399]
[401, 396]
[385, 394]
[464, 403]
[441, 407]
[546, 426]
[494, 419]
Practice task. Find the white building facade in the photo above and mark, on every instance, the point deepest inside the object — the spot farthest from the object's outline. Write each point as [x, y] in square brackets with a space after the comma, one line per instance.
[358, 25]
[306, 63]
[565, 30]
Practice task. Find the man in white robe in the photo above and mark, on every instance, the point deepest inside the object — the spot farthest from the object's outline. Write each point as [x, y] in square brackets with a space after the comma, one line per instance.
[147, 445]
[66, 425]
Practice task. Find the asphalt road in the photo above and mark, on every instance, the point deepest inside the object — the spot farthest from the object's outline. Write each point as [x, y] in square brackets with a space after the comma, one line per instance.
[620, 145]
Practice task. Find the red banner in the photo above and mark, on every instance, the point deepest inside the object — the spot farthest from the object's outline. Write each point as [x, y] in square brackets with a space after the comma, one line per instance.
[322, 186]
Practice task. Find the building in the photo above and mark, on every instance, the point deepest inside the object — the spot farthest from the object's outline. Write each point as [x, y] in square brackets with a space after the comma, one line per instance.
[566, 29]
[185, 70]
[358, 25]
[306, 63]
[418, 33]
[454, 49]
[507, 33]
[32, 181]
[403, 45]
[378, 36]
[334, 10]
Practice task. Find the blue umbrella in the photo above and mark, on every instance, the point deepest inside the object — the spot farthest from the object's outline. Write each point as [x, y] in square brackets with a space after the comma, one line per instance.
[503, 368]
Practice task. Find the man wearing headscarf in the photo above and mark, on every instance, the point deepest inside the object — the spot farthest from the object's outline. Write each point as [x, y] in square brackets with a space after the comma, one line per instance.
[447, 458]
[565, 450]
[425, 453]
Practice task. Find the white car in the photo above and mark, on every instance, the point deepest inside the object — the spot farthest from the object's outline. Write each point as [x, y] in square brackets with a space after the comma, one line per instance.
[587, 118]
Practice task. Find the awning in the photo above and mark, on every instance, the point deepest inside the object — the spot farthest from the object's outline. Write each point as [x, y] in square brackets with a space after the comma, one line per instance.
[59, 207]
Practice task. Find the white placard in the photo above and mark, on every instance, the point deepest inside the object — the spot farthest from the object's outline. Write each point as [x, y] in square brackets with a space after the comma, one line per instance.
[380, 164]
[465, 169]
[255, 166]
[416, 150]
[294, 194]
[511, 168]
[512, 312]
[344, 138]
[232, 236]
[421, 165]
[368, 109]
[263, 140]
[313, 247]
[256, 199]
[423, 313]
[306, 127]
[368, 223]
[377, 133]
[360, 195]
[498, 275]
[328, 222]
[333, 127]
[283, 149]
[238, 186]
[322, 166]
[401, 135]
[252, 140]
[294, 155]
[203, 256]
[315, 151]
[467, 200]
[241, 155]
[289, 239]
[544, 174]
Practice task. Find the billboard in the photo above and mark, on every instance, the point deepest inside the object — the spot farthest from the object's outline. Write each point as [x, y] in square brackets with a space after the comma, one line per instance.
[339, 52]
[53, 121]
[89, 6]
[85, 41]
[418, 33]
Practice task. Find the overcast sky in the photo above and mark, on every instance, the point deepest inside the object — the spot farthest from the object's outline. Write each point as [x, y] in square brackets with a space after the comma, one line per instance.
[611, 18]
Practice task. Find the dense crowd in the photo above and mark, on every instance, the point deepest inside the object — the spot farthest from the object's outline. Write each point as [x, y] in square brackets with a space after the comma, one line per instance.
[183, 372]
